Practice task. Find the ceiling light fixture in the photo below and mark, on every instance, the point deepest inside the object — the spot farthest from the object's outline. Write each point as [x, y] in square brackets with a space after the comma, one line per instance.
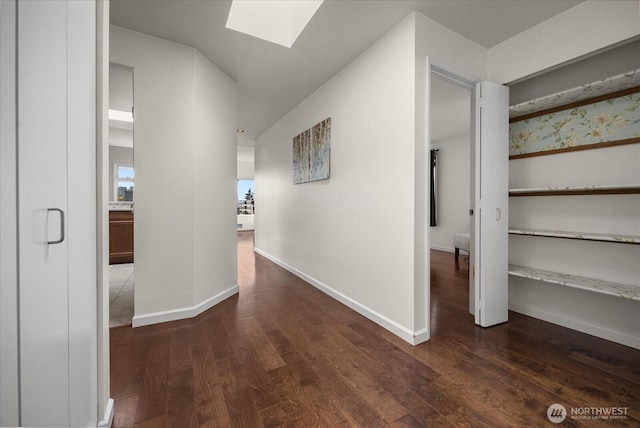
[240, 131]
[276, 21]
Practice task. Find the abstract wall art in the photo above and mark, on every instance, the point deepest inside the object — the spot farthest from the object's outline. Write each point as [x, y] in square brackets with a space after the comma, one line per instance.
[312, 153]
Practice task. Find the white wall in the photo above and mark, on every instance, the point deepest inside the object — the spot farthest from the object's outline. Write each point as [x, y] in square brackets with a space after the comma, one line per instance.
[174, 87]
[450, 133]
[120, 88]
[453, 192]
[581, 30]
[246, 162]
[246, 170]
[214, 181]
[121, 137]
[310, 227]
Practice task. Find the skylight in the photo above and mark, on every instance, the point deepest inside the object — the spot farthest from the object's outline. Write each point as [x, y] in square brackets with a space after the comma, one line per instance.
[276, 21]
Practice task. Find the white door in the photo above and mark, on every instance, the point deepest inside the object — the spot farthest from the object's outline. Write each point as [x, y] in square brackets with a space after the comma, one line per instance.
[491, 199]
[56, 211]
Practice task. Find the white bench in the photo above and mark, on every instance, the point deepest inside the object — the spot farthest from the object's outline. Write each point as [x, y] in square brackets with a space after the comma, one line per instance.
[461, 242]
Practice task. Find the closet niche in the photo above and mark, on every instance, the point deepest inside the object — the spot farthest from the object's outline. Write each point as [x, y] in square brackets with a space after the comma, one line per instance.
[575, 208]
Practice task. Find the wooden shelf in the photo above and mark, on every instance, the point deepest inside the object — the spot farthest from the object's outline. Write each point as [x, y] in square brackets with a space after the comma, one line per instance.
[602, 237]
[578, 190]
[590, 284]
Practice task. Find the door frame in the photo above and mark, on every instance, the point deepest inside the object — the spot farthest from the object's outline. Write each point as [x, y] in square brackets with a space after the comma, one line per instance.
[468, 82]
[105, 408]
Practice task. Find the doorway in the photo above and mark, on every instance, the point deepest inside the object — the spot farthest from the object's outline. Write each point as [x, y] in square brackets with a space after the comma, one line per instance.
[450, 138]
[246, 204]
[121, 196]
[488, 192]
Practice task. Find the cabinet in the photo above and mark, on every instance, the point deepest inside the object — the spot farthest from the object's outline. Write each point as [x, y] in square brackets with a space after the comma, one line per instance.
[120, 237]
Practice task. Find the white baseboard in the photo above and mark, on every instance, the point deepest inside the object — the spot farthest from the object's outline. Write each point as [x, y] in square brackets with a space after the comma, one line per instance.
[421, 336]
[404, 333]
[108, 415]
[183, 313]
[578, 325]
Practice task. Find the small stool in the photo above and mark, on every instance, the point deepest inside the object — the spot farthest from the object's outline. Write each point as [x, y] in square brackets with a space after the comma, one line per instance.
[461, 242]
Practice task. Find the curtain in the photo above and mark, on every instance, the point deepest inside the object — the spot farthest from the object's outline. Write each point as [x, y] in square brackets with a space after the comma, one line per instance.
[434, 152]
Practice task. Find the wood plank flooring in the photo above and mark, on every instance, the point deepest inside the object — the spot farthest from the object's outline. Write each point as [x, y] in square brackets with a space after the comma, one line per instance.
[282, 353]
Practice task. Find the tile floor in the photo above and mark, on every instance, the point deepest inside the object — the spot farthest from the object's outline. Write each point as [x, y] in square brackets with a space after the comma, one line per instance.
[120, 294]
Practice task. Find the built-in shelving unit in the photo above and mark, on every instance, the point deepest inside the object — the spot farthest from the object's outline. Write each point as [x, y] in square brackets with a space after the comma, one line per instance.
[590, 284]
[585, 236]
[625, 189]
[574, 195]
[535, 110]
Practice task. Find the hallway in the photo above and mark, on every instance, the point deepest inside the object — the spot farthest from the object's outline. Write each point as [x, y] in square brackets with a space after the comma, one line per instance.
[282, 353]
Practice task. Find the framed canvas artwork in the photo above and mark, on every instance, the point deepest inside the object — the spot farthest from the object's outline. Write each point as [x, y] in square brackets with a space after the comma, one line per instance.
[312, 153]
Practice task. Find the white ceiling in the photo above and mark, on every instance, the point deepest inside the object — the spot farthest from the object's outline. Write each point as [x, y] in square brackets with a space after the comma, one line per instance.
[273, 79]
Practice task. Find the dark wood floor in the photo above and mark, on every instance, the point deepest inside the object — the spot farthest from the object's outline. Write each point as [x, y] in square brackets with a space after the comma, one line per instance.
[282, 353]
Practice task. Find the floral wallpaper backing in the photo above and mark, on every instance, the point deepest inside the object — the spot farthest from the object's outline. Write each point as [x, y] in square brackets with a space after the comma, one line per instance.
[609, 120]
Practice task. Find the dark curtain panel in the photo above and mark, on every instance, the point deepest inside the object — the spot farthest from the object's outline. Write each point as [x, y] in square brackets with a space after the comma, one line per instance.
[434, 153]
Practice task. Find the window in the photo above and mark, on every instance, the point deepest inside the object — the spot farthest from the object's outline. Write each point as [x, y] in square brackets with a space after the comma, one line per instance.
[245, 197]
[123, 182]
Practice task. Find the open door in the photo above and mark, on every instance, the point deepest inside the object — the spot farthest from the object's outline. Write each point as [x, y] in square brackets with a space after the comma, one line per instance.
[490, 198]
